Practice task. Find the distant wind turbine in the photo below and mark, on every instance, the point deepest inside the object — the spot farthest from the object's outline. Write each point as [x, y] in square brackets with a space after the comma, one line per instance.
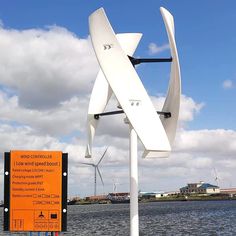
[216, 177]
[96, 169]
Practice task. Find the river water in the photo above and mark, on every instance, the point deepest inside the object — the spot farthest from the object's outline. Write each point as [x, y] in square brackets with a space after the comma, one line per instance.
[157, 218]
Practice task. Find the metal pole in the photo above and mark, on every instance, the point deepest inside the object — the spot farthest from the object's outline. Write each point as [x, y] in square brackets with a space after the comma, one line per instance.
[134, 218]
[95, 181]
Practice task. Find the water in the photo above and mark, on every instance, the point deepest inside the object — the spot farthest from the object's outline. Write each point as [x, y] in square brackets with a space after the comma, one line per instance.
[157, 218]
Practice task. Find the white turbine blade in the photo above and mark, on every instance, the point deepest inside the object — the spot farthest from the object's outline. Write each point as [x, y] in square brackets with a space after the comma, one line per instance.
[100, 176]
[88, 164]
[102, 156]
[102, 92]
[126, 84]
[172, 102]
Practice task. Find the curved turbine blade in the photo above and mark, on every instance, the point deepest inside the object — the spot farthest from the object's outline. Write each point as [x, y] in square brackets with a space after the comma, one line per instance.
[102, 92]
[172, 102]
[100, 176]
[102, 156]
[126, 84]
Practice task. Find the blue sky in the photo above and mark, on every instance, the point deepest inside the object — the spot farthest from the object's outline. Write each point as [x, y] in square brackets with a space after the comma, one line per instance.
[206, 42]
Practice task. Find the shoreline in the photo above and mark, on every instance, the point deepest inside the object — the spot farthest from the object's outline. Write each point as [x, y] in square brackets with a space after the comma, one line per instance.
[162, 199]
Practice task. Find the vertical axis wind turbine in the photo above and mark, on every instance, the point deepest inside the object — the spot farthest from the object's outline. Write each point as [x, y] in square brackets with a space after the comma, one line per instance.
[155, 129]
[96, 169]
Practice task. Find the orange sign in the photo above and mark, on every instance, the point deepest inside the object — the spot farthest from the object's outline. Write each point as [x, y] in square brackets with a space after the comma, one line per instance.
[36, 191]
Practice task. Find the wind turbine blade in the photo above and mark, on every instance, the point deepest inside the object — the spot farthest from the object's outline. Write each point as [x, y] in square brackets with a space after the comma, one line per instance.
[84, 163]
[102, 91]
[126, 84]
[102, 156]
[100, 176]
[172, 102]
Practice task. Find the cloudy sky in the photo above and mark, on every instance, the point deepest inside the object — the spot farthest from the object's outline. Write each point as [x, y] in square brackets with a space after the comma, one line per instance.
[47, 71]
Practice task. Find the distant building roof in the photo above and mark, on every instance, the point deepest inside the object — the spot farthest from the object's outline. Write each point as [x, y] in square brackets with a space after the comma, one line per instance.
[206, 185]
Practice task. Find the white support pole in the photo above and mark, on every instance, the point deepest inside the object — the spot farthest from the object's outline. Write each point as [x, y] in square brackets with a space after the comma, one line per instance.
[134, 218]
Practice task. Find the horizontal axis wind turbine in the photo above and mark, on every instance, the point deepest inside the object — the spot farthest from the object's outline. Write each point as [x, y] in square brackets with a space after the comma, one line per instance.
[96, 170]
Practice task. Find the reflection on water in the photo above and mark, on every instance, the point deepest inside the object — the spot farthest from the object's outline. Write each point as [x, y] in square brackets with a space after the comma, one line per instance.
[158, 218]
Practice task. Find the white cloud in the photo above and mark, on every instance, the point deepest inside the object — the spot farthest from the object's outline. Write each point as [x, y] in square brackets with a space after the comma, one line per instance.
[228, 84]
[59, 120]
[189, 108]
[46, 67]
[196, 154]
[155, 49]
[214, 143]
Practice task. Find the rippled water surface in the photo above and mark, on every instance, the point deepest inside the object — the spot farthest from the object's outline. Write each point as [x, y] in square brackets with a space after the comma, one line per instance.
[157, 218]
